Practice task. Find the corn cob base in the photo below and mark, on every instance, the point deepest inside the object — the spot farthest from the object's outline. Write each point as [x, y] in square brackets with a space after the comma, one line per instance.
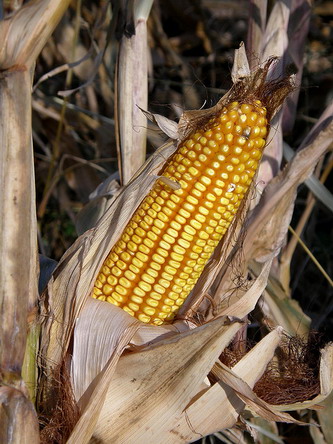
[159, 257]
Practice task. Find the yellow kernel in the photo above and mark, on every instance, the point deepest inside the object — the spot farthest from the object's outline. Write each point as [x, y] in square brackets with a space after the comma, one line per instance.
[193, 171]
[203, 210]
[164, 282]
[133, 306]
[162, 252]
[203, 235]
[199, 186]
[187, 206]
[195, 224]
[205, 180]
[211, 197]
[173, 233]
[152, 236]
[183, 243]
[101, 278]
[137, 263]
[180, 219]
[107, 289]
[129, 311]
[159, 259]
[175, 225]
[225, 176]
[112, 301]
[164, 245]
[144, 318]
[148, 279]
[174, 264]
[159, 289]
[152, 271]
[149, 311]
[152, 303]
[170, 270]
[167, 276]
[121, 290]
[229, 138]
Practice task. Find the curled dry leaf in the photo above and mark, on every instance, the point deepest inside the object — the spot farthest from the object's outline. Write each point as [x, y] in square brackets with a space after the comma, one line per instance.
[264, 235]
[158, 383]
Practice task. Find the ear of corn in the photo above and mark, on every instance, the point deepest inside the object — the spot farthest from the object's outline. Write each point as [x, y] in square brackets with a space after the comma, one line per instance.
[160, 255]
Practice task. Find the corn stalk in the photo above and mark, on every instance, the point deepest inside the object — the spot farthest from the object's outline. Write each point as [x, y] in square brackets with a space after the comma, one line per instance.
[24, 34]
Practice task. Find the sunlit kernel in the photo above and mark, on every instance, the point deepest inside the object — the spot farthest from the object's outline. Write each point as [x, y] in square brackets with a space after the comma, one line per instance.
[212, 144]
[155, 267]
[244, 157]
[229, 138]
[167, 276]
[131, 312]
[184, 213]
[211, 197]
[200, 218]
[235, 160]
[218, 137]
[231, 188]
[202, 158]
[121, 290]
[163, 217]
[228, 126]
[203, 140]
[152, 236]
[229, 168]
[162, 252]
[196, 193]
[150, 311]
[180, 219]
[209, 204]
[205, 180]
[157, 258]
[207, 151]
[195, 224]
[191, 154]
[144, 318]
[203, 210]
[210, 171]
[255, 131]
[187, 206]
[259, 143]
[134, 269]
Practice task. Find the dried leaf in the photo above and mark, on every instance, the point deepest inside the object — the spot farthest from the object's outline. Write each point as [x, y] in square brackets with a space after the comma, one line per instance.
[240, 67]
[205, 414]
[264, 235]
[158, 383]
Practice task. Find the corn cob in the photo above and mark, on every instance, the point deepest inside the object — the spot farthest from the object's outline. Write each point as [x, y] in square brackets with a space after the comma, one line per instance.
[160, 255]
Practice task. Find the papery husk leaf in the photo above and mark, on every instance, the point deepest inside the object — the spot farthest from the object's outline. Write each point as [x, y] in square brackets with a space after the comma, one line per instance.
[240, 303]
[219, 407]
[98, 332]
[158, 383]
[325, 416]
[73, 279]
[326, 383]
[264, 235]
[256, 28]
[169, 127]
[275, 40]
[298, 28]
[240, 68]
[18, 419]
